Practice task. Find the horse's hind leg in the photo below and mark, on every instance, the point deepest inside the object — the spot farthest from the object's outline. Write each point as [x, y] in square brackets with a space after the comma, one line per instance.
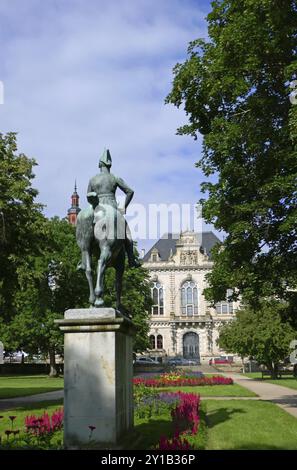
[90, 277]
[120, 267]
[105, 255]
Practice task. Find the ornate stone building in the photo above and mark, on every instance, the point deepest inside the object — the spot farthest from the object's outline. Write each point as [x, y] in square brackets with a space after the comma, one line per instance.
[182, 322]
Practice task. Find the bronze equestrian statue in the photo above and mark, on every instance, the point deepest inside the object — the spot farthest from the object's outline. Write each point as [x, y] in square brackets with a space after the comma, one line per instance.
[104, 224]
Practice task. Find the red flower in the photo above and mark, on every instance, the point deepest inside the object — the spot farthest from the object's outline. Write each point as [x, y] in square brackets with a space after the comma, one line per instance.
[92, 427]
[12, 418]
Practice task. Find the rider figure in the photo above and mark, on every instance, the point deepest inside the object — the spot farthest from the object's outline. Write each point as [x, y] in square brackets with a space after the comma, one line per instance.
[102, 188]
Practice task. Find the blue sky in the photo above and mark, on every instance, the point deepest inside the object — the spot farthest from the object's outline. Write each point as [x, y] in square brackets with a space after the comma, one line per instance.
[81, 75]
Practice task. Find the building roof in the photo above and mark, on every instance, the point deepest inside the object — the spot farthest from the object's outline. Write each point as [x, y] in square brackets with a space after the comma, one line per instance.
[167, 242]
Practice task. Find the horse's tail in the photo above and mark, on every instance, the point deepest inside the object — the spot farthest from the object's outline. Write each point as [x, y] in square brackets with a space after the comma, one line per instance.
[84, 234]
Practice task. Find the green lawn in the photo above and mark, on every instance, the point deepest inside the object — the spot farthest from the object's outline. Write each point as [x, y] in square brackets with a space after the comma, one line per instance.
[20, 386]
[214, 390]
[231, 424]
[290, 382]
[235, 424]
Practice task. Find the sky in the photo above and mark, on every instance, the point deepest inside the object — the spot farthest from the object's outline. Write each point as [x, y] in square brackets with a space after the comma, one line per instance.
[81, 75]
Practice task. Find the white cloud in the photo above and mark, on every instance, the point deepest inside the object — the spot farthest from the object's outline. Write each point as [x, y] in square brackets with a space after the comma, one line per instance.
[82, 75]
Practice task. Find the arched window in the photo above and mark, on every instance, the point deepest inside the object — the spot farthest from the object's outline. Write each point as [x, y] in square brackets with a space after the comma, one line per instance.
[152, 340]
[158, 299]
[159, 342]
[189, 299]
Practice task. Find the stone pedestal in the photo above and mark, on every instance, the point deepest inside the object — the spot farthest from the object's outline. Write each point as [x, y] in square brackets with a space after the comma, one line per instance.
[98, 372]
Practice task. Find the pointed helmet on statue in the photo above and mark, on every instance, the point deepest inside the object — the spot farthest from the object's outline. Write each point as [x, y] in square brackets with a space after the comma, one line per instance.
[105, 159]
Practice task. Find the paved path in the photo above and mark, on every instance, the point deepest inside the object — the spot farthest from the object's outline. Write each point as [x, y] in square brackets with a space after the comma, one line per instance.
[11, 403]
[284, 397]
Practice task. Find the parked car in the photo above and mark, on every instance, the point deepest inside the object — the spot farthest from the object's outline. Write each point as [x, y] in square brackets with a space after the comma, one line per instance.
[223, 360]
[145, 360]
[181, 361]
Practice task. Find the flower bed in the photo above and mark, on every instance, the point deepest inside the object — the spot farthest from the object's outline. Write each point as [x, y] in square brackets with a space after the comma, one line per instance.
[185, 418]
[39, 432]
[177, 380]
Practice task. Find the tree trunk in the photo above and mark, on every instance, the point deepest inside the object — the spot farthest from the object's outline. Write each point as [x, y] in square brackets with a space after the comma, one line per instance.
[243, 366]
[53, 365]
[274, 370]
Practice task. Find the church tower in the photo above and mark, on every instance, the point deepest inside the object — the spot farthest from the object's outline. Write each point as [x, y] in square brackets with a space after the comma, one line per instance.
[74, 209]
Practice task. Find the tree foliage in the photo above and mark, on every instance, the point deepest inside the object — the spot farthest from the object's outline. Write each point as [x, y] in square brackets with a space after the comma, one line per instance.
[235, 90]
[264, 334]
[49, 284]
[19, 216]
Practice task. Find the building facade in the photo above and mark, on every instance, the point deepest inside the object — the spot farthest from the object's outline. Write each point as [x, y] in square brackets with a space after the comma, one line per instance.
[182, 322]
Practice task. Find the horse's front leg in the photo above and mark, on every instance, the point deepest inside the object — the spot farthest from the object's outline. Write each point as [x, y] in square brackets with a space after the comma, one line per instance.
[102, 263]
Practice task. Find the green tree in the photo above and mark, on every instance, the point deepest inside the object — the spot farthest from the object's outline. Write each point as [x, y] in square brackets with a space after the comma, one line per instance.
[19, 215]
[235, 91]
[49, 285]
[264, 334]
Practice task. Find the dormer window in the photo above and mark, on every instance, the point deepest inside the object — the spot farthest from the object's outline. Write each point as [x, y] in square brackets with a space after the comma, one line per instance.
[155, 257]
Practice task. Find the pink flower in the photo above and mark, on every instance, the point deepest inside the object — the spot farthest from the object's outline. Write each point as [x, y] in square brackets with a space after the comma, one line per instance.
[45, 424]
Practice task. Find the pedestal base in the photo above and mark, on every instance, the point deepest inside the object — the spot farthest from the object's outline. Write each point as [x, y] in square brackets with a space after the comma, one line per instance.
[98, 374]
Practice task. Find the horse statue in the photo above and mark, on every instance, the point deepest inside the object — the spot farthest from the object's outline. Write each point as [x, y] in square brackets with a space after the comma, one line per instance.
[101, 227]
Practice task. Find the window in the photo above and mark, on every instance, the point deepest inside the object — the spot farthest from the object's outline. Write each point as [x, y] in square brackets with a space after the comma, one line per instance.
[152, 340]
[189, 299]
[224, 308]
[155, 255]
[158, 300]
[159, 342]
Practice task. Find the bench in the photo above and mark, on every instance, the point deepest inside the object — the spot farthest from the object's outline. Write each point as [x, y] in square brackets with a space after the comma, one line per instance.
[285, 372]
[280, 373]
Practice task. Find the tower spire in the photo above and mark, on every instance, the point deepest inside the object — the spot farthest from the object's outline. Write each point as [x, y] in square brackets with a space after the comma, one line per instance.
[74, 209]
